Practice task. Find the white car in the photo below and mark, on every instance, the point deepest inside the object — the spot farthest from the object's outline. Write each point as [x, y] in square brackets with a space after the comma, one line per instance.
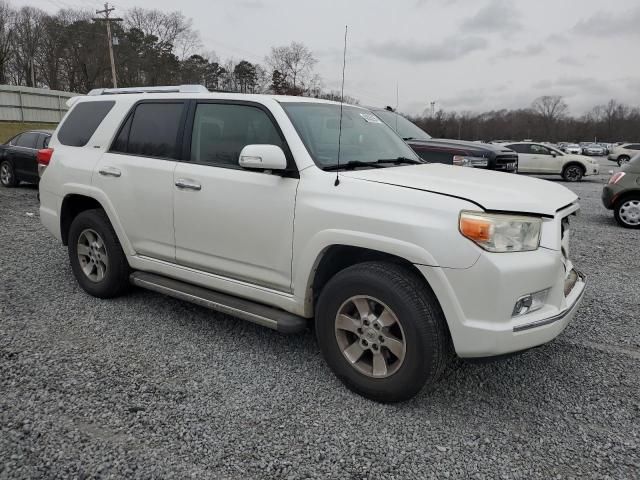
[623, 153]
[242, 204]
[572, 148]
[543, 159]
[594, 149]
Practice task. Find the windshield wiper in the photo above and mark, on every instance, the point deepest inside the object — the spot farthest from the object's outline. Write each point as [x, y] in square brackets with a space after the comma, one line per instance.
[351, 165]
[399, 160]
[408, 138]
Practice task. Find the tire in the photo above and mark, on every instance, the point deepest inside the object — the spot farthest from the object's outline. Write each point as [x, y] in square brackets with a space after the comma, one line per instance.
[627, 212]
[93, 230]
[573, 172]
[7, 174]
[420, 325]
[622, 159]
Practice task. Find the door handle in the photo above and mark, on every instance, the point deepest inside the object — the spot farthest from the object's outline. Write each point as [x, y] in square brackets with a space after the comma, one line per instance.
[188, 184]
[110, 172]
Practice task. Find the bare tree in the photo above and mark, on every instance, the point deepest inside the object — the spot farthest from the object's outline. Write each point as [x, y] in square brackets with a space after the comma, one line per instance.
[295, 63]
[29, 28]
[550, 109]
[7, 32]
[171, 28]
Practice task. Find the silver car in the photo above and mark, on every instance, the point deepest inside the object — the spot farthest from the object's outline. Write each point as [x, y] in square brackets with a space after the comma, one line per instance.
[594, 149]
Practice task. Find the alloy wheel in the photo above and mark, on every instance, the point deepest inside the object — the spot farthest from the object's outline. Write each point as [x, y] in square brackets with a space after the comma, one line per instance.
[629, 212]
[573, 174]
[92, 255]
[370, 336]
[6, 175]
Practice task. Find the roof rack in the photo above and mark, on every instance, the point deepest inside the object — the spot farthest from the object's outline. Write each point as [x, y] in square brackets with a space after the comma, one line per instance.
[166, 89]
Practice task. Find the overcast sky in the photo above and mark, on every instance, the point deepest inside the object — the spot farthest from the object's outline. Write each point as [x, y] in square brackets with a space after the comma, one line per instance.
[463, 54]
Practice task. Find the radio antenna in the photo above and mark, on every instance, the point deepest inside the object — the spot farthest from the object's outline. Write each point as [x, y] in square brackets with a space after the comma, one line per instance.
[397, 102]
[344, 62]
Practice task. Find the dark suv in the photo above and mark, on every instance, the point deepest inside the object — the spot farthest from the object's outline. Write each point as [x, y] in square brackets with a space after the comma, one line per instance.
[452, 152]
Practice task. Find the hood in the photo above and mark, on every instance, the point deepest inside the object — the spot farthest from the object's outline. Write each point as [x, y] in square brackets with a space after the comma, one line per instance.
[496, 191]
[469, 147]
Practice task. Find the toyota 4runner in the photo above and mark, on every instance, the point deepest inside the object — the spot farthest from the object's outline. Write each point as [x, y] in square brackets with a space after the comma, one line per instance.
[279, 210]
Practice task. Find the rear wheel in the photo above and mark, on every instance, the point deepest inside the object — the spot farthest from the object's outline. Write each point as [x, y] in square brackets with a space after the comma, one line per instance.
[96, 257]
[382, 332]
[573, 173]
[627, 212]
[7, 174]
[622, 159]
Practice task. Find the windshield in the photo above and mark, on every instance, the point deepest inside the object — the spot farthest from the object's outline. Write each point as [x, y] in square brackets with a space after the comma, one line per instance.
[406, 129]
[364, 137]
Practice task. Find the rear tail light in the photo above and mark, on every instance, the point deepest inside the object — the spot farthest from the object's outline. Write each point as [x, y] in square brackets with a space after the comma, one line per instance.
[44, 156]
[616, 178]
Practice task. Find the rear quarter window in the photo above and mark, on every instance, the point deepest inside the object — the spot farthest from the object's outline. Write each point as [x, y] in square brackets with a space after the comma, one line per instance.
[82, 122]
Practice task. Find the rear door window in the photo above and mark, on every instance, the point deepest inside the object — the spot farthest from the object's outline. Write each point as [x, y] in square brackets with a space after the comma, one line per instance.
[153, 130]
[520, 148]
[82, 122]
[27, 140]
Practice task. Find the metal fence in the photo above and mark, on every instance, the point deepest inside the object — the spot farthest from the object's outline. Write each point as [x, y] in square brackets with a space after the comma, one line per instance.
[26, 104]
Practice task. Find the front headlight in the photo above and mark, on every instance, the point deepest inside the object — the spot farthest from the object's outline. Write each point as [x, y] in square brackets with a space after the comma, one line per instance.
[496, 232]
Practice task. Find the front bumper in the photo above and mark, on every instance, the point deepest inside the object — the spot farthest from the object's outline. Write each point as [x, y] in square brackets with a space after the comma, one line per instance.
[478, 301]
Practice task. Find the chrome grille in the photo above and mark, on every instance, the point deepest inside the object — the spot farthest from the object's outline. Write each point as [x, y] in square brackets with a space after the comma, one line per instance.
[506, 162]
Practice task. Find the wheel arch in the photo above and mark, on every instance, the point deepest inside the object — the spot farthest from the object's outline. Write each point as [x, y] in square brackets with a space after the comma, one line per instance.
[633, 193]
[572, 163]
[75, 203]
[336, 257]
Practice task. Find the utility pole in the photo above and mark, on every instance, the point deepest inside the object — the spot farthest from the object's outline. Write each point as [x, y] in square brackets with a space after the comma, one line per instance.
[433, 109]
[108, 19]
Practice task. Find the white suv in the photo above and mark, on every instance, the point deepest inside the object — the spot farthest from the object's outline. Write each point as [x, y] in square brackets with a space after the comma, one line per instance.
[279, 209]
[544, 159]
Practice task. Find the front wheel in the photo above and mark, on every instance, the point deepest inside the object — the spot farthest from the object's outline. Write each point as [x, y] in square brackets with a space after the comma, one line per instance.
[382, 332]
[627, 212]
[573, 173]
[622, 159]
[7, 174]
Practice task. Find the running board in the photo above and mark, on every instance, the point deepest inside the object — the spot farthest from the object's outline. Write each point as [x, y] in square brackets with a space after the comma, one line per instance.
[273, 318]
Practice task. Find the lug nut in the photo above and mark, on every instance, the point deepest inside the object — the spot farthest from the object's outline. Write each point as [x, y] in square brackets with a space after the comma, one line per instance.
[376, 326]
[366, 322]
[381, 338]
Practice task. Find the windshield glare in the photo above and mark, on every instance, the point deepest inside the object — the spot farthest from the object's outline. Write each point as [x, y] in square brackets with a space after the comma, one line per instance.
[404, 127]
[364, 137]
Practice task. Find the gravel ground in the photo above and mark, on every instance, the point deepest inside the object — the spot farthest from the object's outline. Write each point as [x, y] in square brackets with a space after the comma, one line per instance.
[147, 386]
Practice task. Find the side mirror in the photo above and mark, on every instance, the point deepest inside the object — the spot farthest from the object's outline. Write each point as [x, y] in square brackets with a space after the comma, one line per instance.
[553, 154]
[264, 157]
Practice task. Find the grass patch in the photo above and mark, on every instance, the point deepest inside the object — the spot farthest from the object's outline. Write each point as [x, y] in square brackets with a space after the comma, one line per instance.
[9, 129]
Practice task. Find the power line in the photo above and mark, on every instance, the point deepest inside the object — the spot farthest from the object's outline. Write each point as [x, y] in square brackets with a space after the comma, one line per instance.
[108, 19]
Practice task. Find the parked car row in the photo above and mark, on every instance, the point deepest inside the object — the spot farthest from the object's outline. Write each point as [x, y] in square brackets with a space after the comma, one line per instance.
[18, 157]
